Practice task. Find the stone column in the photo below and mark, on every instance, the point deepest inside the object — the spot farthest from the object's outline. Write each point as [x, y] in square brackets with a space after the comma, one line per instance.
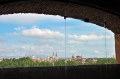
[117, 47]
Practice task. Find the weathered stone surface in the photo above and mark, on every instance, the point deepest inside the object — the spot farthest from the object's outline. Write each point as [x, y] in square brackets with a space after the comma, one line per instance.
[117, 47]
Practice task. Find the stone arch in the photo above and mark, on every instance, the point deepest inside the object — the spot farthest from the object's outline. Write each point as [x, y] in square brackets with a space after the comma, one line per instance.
[69, 9]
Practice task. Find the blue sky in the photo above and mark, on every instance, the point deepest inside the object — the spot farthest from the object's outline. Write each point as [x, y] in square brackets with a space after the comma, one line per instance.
[41, 35]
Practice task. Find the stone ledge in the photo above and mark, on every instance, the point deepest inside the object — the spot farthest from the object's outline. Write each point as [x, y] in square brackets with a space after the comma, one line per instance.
[72, 72]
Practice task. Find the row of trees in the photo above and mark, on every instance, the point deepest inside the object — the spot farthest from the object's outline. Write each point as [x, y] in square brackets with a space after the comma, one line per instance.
[28, 62]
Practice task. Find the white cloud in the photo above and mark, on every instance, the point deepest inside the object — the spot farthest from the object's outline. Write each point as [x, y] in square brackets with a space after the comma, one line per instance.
[13, 33]
[28, 18]
[6, 48]
[2, 39]
[41, 33]
[73, 42]
[96, 51]
[19, 28]
[36, 32]
[23, 50]
[88, 37]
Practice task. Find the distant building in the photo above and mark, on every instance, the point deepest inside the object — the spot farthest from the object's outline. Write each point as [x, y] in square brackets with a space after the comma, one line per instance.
[93, 60]
[53, 58]
[1, 59]
[35, 58]
[78, 58]
[83, 60]
[113, 56]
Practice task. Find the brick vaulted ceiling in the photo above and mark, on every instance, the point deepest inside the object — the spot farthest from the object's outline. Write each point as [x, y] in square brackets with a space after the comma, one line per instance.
[96, 11]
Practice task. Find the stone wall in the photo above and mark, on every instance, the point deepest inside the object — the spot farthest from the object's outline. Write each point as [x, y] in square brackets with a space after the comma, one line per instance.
[69, 72]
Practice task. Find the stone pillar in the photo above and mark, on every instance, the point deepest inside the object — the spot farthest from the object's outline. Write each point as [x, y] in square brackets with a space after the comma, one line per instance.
[117, 47]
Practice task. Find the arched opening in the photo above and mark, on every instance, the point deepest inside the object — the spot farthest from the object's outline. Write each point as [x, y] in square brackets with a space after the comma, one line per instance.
[68, 9]
[34, 40]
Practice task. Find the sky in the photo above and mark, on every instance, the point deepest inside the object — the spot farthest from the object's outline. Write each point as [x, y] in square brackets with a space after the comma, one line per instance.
[40, 35]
